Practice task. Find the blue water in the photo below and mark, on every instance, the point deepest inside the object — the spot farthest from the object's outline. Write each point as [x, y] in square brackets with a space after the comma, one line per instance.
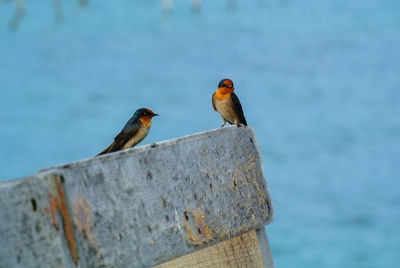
[319, 82]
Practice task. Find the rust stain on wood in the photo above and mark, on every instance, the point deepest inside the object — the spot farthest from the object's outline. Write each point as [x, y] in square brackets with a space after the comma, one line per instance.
[199, 233]
[58, 201]
[53, 209]
[82, 216]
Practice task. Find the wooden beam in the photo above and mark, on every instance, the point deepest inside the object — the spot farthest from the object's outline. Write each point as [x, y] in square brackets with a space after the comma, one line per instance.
[250, 249]
[139, 207]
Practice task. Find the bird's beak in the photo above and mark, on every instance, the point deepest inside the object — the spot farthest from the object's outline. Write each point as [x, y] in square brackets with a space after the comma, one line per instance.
[155, 115]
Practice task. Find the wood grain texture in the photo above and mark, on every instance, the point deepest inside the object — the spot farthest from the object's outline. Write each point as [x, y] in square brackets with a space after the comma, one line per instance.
[238, 252]
[139, 207]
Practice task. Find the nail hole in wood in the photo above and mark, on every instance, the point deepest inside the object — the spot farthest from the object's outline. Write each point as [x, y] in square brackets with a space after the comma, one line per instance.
[186, 215]
[34, 205]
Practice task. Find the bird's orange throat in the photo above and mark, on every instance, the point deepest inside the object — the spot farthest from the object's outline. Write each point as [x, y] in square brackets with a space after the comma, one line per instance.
[146, 120]
[223, 93]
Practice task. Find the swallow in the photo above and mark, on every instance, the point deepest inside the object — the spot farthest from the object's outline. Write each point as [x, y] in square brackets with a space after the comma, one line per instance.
[227, 104]
[134, 131]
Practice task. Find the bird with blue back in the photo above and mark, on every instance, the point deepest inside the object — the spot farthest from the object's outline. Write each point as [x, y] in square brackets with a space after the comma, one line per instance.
[134, 131]
[227, 104]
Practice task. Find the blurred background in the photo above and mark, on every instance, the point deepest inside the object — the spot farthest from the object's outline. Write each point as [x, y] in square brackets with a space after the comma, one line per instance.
[319, 82]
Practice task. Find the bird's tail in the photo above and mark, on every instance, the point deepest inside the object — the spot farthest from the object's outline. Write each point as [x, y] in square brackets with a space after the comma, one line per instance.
[106, 150]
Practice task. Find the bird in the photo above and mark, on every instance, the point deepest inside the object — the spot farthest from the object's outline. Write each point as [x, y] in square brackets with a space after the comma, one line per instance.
[227, 104]
[134, 131]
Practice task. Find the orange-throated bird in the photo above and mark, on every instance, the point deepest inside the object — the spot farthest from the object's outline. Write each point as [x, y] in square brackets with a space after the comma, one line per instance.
[134, 131]
[227, 104]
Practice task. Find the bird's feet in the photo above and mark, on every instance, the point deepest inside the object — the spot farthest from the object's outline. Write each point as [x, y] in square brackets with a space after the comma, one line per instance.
[223, 123]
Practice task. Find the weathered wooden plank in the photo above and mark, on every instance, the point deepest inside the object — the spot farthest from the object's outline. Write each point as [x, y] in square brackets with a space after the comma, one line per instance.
[32, 225]
[250, 249]
[147, 205]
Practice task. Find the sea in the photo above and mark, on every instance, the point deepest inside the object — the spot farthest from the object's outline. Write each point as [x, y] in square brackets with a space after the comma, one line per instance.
[319, 81]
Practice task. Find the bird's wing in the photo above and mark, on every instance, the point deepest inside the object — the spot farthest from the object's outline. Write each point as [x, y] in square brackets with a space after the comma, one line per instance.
[123, 137]
[213, 102]
[238, 108]
[119, 141]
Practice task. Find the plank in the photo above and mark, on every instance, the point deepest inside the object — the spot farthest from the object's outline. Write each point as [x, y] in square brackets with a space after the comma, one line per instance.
[31, 232]
[143, 206]
[246, 250]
